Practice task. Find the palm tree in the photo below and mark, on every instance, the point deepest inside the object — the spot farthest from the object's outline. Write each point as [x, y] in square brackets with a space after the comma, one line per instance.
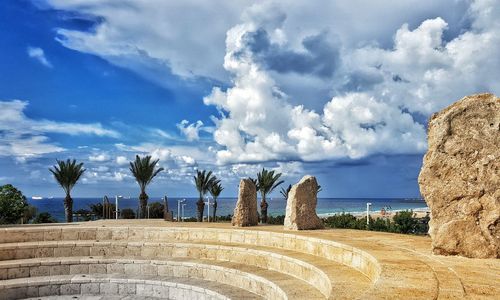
[268, 181]
[203, 182]
[255, 182]
[215, 190]
[284, 192]
[144, 171]
[67, 174]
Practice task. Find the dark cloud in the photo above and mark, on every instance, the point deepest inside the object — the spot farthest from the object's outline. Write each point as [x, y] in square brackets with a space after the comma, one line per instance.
[362, 80]
[320, 58]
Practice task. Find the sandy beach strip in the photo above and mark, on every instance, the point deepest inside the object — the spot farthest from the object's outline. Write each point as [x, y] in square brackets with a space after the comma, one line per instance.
[417, 212]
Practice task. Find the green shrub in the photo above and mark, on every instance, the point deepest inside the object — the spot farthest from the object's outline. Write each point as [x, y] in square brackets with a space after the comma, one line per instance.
[345, 221]
[156, 210]
[85, 214]
[29, 214]
[44, 217]
[128, 213]
[276, 220]
[380, 224]
[403, 222]
[227, 218]
[12, 204]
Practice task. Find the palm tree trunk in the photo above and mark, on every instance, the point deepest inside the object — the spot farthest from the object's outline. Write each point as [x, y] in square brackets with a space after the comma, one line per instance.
[215, 210]
[263, 209]
[68, 208]
[201, 207]
[143, 203]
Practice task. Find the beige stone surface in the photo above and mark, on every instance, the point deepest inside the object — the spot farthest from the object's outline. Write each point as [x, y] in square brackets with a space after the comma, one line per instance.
[245, 212]
[277, 264]
[301, 206]
[460, 178]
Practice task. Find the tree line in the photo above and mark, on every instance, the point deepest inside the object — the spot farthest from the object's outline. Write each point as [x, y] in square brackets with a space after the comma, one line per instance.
[145, 169]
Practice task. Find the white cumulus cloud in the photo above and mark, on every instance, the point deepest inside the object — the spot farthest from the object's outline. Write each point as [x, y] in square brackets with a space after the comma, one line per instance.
[23, 137]
[190, 131]
[39, 55]
[122, 160]
[388, 90]
[99, 157]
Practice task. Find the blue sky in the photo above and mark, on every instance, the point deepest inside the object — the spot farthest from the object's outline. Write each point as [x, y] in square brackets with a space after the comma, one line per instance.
[316, 88]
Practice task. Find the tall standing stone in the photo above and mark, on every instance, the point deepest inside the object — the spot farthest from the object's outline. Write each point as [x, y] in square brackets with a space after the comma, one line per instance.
[245, 212]
[301, 206]
[167, 214]
[460, 178]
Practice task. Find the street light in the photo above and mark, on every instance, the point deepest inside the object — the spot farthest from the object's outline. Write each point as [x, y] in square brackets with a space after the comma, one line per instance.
[208, 203]
[183, 204]
[179, 202]
[116, 205]
[368, 205]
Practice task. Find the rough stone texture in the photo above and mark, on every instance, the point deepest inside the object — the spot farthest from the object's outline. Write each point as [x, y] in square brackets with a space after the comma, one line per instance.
[301, 206]
[245, 212]
[460, 178]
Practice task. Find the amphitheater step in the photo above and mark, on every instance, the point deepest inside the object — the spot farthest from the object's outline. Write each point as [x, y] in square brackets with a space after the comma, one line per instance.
[345, 282]
[267, 283]
[119, 285]
[94, 297]
[330, 278]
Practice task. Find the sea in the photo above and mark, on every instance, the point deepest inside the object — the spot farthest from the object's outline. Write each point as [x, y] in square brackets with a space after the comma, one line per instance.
[225, 206]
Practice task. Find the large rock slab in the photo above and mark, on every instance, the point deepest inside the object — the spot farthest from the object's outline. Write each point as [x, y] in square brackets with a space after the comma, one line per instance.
[459, 179]
[301, 206]
[245, 212]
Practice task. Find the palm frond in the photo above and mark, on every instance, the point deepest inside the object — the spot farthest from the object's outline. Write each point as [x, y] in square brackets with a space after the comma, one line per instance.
[284, 192]
[144, 170]
[67, 173]
[203, 181]
[215, 189]
[268, 181]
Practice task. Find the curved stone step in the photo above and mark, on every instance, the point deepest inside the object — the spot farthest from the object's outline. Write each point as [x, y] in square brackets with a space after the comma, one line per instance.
[330, 278]
[258, 236]
[267, 283]
[94, 297]
[109, 285]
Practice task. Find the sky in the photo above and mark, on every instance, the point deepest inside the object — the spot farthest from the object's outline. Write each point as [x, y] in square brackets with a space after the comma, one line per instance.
[341, 90]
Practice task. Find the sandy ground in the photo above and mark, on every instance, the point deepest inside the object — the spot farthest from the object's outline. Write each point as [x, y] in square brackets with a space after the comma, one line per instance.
[376, 215]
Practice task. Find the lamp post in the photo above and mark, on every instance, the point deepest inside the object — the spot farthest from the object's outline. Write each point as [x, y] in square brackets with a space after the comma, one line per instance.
[208, 203]
[368, 205]
[179, 202]
[116, 206]
[183, 204]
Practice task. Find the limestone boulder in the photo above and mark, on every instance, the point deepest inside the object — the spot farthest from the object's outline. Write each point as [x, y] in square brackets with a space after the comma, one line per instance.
[245, 212]
[301, 206]
[460, 178]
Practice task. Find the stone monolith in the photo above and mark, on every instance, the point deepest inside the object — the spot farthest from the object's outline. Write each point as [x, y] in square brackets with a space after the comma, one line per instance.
[245, 212]
[301, 206]
[460, 178]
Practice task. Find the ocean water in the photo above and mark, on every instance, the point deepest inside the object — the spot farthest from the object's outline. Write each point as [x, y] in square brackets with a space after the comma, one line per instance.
[225, 206]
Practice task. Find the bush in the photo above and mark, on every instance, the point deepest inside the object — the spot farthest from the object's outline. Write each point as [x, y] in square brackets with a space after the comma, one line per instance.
[12, 204]
[276, 220]
[403, 222]
[345, 221]
[128, 213]
[227, 218]
[380, 224]
[97, 209]
[156, 210]
[29, 214]
[44, 217]
[85, 215]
